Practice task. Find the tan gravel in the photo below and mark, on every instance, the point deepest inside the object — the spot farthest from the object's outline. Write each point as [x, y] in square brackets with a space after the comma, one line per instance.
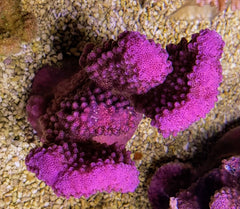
[64, 26]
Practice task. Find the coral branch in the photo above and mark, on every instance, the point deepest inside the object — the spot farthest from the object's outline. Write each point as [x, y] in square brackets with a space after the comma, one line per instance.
[130, 65]
[191, 90]
[84, 168]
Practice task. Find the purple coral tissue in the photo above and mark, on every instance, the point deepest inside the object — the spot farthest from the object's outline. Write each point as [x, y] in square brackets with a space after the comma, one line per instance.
[84, 168]
[212, 186]
[190, 91]
[76, 109]
[102, 101]
[130, 65]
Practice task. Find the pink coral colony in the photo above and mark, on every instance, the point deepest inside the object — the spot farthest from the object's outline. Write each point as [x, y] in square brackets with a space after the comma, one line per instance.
[85, 115]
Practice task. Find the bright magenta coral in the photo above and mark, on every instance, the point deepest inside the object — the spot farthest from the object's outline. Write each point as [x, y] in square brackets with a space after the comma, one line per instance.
[88, 113]
[84, 168]
[130, 65]
[191, 90]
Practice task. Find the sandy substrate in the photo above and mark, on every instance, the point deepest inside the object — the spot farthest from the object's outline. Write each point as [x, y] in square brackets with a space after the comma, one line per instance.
[64, 27]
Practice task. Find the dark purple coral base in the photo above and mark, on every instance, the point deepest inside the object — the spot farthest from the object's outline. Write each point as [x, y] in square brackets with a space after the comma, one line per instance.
[218, 188]
[76, 109]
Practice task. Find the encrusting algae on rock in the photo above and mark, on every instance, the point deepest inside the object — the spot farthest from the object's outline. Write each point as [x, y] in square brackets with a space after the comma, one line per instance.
[221, 4]
[191, 10]
[201, 9]
[16, 26]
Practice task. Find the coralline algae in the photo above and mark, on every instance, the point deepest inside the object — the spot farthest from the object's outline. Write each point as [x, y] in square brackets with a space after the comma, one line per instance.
[16, 27]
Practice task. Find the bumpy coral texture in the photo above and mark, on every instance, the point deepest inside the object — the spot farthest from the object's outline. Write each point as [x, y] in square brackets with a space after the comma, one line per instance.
[87, 113]
[190, 91]
[130, 65]
[226, 198]
[84, 168]
[216, 187]
[42, 92]
[76, 109]
[69, 110]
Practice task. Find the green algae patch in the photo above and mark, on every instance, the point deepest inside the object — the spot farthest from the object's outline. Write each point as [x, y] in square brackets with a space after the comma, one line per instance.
[16, 27]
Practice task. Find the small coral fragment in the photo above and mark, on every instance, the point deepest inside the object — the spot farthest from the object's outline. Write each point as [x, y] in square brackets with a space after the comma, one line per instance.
[221, 4]
[203, 9]
[137, 156]
[191, 11]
